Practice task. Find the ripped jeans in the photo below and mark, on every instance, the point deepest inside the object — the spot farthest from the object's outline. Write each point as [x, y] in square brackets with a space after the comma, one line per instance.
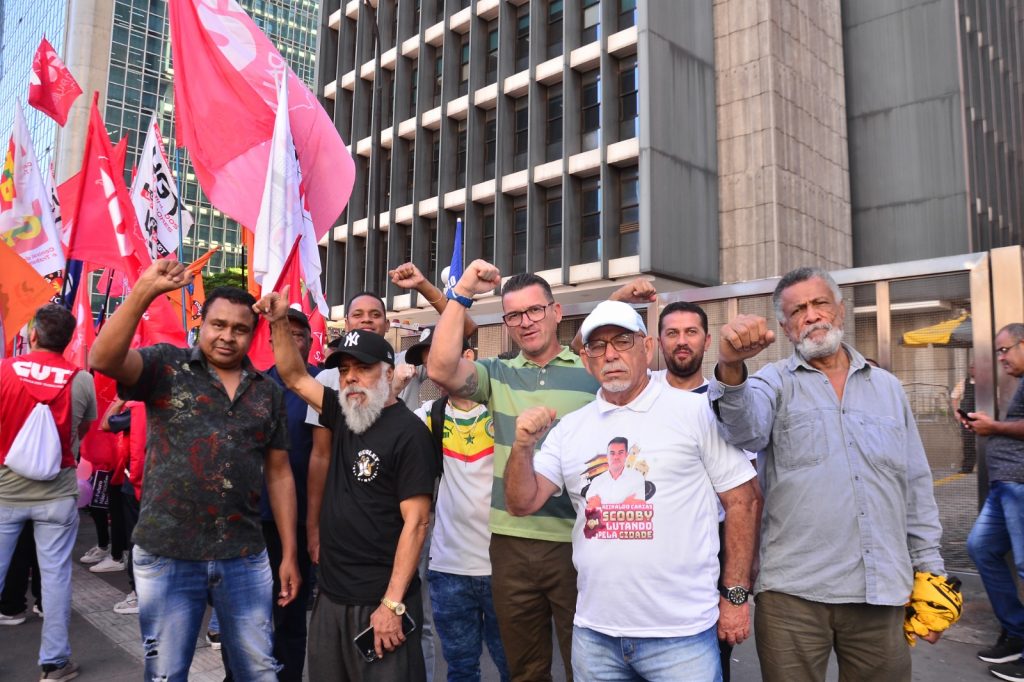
[172, 599]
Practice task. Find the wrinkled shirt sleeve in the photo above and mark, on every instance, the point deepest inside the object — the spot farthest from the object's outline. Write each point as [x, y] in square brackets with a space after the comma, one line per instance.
[924, 531]
[746, 413]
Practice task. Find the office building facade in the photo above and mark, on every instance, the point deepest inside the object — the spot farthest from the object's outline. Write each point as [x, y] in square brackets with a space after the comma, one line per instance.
[698, 142]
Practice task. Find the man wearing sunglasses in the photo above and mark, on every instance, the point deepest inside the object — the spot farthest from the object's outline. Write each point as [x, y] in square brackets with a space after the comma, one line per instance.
[998, 529]
[662, 622]
[533, 579]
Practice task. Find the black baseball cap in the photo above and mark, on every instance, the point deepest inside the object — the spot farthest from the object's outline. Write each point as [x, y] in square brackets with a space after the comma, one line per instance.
[296, 315]
[414, 354]
[364, 346]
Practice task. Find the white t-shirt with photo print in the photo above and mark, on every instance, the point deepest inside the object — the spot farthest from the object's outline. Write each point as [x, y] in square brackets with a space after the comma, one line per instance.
[650, 569]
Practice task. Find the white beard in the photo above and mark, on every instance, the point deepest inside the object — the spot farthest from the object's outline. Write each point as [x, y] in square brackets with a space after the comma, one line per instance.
[361, 416]
[614, 385]
[828, 345]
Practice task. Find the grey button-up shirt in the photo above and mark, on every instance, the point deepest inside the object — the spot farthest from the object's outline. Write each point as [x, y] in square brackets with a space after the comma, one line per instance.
[849, 509]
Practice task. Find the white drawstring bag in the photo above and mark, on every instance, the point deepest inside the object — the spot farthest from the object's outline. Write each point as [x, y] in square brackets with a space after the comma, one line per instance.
[36, 452]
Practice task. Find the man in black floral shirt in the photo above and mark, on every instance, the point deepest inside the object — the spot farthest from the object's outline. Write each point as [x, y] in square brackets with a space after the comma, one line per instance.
[215, 424]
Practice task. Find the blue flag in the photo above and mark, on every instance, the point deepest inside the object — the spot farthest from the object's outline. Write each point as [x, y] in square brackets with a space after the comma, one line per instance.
[455, 269]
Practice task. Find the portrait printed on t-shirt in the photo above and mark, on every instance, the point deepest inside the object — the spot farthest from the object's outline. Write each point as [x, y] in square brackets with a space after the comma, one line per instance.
[618, 494]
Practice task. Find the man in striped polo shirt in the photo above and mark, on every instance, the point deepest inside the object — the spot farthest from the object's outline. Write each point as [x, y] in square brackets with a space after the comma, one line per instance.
[533, 578]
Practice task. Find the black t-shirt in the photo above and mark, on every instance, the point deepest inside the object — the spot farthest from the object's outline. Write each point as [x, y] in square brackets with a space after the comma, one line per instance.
[360, 520]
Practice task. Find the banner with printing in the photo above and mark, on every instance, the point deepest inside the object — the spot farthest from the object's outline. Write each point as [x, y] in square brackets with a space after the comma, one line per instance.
[156, 199]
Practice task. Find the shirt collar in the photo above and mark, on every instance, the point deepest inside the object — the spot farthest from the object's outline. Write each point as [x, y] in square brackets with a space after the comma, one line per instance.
[642, 403]
[564, 357]
[857, 361]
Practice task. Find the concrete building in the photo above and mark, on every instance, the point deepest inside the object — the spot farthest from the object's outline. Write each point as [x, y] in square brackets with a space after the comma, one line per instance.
[122, 49]
[700, 142]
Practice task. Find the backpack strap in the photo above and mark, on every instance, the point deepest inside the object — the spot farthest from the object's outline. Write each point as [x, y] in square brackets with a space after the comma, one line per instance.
[437, 431]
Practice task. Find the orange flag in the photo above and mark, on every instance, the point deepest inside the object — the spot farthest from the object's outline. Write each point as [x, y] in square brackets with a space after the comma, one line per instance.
[22, 292]
[249, 241]
[193, 300]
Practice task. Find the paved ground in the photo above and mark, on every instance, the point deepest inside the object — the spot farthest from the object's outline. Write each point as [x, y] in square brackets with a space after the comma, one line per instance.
[106, 645]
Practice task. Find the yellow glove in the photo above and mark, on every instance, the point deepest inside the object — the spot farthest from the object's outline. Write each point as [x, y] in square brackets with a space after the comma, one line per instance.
[935, 604]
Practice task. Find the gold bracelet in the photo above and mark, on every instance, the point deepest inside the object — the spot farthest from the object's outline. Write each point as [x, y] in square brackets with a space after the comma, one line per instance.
[432, 303]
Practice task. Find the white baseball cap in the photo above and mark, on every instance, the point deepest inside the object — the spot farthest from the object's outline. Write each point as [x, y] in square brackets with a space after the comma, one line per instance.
[612, 313]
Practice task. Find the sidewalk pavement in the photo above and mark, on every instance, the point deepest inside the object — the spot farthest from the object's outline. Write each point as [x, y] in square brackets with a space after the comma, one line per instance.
[107, 645]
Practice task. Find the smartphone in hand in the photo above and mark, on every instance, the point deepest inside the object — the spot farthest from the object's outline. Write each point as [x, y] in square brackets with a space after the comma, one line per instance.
[964, 415]
[364, 640]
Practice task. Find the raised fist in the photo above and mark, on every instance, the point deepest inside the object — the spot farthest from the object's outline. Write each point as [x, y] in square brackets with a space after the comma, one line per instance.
[532, 424]
[273, 306]
[480, 277]
[744, 337]
[406, 276]
[163, 276]
[640, 290]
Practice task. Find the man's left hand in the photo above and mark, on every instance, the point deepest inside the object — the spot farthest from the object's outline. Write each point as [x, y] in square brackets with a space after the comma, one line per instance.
[639, 290]
[387, 630]
[980, 423]
[288, 573]
[733, 621]
[932, 637]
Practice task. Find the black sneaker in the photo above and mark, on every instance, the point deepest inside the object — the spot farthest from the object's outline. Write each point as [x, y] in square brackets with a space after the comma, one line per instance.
[214, 640]
[68, 671]
[1006, 649]
[1008, 671]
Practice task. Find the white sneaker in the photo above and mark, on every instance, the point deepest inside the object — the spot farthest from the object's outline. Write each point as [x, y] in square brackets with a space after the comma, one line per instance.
[12, 620]
[38, 611]
[129, 605]
[95, 555]
[108, 565]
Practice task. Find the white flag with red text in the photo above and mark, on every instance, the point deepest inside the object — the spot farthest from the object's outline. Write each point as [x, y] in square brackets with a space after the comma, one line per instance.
[155, 198]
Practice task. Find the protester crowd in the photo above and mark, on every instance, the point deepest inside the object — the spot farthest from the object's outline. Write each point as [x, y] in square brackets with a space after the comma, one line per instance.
[566, 494]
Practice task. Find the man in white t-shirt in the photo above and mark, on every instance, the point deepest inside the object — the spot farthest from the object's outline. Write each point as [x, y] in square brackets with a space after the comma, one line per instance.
[659, 614]
[618, 485]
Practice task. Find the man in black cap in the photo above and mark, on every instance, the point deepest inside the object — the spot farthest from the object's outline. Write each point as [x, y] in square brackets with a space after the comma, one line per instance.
[370, 499]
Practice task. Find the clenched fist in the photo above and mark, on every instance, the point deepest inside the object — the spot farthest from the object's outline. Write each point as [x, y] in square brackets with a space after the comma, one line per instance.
[744, 337]
[640, 290]
[163, 276]
[406, 276]
[532, 424]
[480, 277]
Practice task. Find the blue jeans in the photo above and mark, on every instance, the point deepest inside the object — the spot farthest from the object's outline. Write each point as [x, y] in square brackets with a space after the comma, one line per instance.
[56, 527]
[999, 529]
[172, 599]
[464, 618]
[601, 658]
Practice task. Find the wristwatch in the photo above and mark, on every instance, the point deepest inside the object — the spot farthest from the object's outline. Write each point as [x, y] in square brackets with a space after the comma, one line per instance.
[396, 606]
[464, 301]
[737, 595]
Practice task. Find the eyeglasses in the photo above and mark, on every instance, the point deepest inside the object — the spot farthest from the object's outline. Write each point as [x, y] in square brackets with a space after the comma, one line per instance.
[1000, 352]
[621, 343]
[536, 313]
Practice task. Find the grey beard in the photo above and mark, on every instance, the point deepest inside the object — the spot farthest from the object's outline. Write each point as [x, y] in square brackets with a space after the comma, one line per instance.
[360, 417]
[812, 350]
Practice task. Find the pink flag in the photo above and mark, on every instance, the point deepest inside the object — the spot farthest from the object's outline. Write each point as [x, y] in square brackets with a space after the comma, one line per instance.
[52, 89]
[225, 75]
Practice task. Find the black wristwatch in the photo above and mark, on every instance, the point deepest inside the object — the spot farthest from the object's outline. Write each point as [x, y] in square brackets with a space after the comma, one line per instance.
[737, 595]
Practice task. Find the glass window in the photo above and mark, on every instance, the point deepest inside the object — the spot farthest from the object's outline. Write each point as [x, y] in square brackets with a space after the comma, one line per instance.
[554, 44]
[629, 212]
[519, 235]
[591, 111]
[492, 52]
[387, 99]
[410, 173]
[438, 78]
[554, 123]
[385, 188]
[628, 101]
[435, 160]
[627, 13]
[590, 225]
[553, 229]
[490, 142]
[432, 258]
[521, 141]
[487, 226]
[412, 90]
[591, 21]
[522, 37]
[460, 156]
[464, 65]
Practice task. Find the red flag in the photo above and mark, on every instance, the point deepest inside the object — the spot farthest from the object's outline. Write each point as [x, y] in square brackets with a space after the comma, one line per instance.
[77, 351]
[225, 79]
[260, 352]
[52, 89]
[67, 194]
[318, 327]
[22, 292]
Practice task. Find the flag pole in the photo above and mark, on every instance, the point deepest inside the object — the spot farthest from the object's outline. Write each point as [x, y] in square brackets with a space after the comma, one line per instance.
[181, 243]
[106, 298]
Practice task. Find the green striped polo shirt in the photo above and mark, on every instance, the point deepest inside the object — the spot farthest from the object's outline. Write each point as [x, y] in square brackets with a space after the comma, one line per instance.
[510, 387]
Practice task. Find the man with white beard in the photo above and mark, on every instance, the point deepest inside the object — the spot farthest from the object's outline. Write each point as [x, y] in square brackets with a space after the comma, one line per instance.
[369, 503]
[850, 523]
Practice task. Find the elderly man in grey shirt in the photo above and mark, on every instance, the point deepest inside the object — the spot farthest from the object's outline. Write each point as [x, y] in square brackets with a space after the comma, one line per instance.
[849, 511]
